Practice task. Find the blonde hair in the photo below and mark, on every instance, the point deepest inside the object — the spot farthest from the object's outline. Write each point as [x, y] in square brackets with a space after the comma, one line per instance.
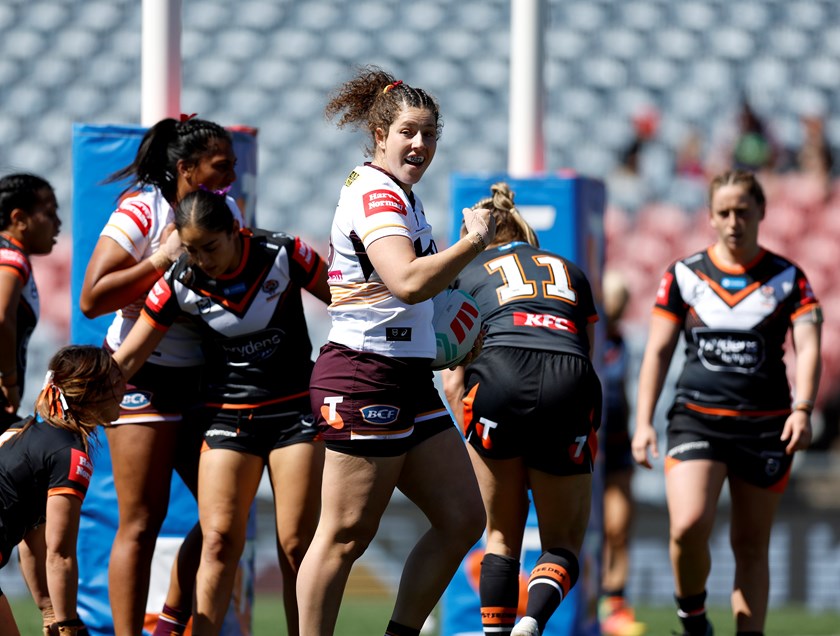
[616, 294]
[510, 225]
[742, 178]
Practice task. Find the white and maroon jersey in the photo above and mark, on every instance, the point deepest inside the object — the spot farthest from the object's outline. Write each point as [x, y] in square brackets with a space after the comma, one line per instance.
[136, 225]
[35, 464]
[365, 315]
[251, 322]
[530, 299]
[15, 261]
[735, 321]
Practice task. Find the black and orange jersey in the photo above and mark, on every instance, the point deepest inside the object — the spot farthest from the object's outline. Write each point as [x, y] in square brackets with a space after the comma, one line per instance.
[35, 464]
[530, 299]
[735, 321]
[253, 329]
[14, 260]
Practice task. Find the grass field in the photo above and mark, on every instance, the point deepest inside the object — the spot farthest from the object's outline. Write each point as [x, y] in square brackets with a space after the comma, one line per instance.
[368, 617]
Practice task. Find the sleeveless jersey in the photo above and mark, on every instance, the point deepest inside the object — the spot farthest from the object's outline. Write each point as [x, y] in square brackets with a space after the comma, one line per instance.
[40, 462]
[365, 315]
[136, 226]
[251, 322]
[734, 322]
[530, 299]
[14, 260]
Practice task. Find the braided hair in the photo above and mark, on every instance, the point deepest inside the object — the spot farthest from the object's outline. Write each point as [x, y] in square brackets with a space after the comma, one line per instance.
[510, 225]
[163, 146]
[374, 99]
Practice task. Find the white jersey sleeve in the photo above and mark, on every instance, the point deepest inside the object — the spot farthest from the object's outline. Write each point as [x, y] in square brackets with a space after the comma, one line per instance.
[365, 315]
[136, 225]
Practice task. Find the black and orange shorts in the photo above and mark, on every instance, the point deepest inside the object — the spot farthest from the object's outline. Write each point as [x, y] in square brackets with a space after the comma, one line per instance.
[372, 405]
[260, 430]
[542, 406]
[751, 448]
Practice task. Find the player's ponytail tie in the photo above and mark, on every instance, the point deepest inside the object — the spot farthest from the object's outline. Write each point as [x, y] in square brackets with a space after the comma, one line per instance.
[185, 117]
[391, 86]
[56, 402]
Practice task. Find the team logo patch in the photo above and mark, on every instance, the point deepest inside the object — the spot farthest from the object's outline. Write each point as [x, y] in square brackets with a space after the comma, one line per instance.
[159, 294]
[720, 350]
[270, 286]
[351, 178]
[733, 283]
[772, 466]
[329, 411]
[335, 274]
[525, 319]
[139, 213]
[380, 414]
[383, 201]
[81, 468]
[136, 400]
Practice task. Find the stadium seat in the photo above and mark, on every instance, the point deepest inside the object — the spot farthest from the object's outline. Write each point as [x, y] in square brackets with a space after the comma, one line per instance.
[266, 15]
[731, 43]
[677, 43]
[99, 16]
[806, 14]
[695, 15]
[621, 43]
[822, 71]
[642, 15]
[205, 16]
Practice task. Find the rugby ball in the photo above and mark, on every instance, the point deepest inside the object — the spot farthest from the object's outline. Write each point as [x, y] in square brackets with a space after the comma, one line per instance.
[457, 323]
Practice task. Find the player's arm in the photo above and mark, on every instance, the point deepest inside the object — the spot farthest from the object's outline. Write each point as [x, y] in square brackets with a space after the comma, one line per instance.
[453, 388]
[806, 342]
[114, 278]
[318, 286]
[662, 340]
[138, 345]
[590, 333]
[11, 286]
[33, 557]
[61, 566]
[413, 279]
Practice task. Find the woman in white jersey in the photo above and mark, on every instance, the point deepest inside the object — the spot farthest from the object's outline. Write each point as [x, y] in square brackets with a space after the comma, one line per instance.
[372, 389]
[150, 439]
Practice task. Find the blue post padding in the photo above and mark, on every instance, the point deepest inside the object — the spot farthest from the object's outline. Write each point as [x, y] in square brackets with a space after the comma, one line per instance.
[567, 213]
[97, 152]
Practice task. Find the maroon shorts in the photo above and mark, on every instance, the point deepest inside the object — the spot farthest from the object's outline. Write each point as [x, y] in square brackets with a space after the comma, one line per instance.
[372, 405]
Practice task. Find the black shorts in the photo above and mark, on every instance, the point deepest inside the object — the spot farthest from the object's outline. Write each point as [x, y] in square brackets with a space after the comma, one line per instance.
[751, 449]
[260, 430]
[544, 407]
[160, 394]
[372, 405]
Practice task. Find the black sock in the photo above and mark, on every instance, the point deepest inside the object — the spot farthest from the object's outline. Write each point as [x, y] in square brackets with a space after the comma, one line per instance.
[498, 590]
[692, 613]
[749, 633]
[395, 629]
[551, 579]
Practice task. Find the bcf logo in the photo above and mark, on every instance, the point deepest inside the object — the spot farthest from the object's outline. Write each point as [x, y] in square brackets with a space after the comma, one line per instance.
[380, 414]
[136, 400]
